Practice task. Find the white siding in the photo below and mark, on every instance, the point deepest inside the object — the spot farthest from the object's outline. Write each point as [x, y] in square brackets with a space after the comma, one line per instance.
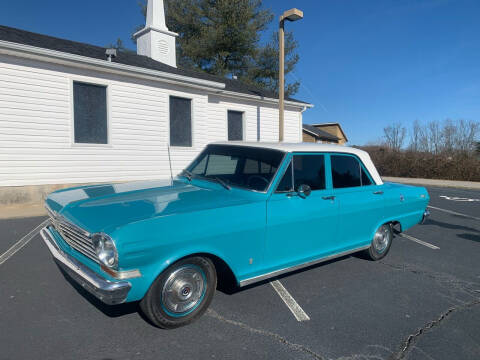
[36, 126]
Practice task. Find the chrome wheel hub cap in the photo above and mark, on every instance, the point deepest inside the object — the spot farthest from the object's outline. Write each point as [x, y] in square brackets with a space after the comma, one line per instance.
[184, 289]
[381, 239]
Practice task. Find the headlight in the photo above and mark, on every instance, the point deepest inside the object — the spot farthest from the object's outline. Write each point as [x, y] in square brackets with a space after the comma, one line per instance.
[106, 250]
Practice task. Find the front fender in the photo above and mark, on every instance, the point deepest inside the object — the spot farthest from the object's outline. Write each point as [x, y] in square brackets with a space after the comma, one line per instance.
[235, 234]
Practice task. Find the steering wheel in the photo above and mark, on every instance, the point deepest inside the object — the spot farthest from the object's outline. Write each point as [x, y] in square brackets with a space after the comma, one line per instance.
[260, 177]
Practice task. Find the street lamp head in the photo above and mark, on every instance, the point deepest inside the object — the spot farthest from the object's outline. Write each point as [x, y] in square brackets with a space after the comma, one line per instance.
[292, 15]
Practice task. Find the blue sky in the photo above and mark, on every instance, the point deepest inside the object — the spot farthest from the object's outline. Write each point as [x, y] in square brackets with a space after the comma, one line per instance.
[364, 64]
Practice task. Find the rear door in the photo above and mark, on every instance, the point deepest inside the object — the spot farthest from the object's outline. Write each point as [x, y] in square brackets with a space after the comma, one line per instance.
[360, 200]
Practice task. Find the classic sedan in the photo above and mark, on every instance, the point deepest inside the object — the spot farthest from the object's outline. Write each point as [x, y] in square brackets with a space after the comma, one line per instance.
[241, 211]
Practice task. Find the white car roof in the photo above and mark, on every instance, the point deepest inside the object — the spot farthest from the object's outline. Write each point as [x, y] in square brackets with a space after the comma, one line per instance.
[312, 147]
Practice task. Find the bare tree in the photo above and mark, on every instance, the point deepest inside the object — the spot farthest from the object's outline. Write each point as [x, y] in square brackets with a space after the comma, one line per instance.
[468, 131]
[434, 137]
[394, 136]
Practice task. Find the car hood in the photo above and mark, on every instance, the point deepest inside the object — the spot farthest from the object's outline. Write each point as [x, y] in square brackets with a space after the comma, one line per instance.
[104, 208]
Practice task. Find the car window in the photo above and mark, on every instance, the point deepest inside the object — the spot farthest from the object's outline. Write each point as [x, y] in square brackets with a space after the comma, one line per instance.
[241, 166]
[309, 170]
[258, 167]
[347, 172]
[365, 178]
[221, 164]
[286, 184]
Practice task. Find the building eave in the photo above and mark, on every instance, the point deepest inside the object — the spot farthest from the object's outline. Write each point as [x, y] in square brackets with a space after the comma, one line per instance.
[265, 100]
[63, 58]
[28, 51]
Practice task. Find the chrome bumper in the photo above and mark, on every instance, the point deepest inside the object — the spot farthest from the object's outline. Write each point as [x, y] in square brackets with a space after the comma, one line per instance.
[109, 292]
[426, 214]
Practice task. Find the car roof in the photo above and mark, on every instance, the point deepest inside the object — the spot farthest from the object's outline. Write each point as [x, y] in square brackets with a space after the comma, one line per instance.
[295, 147]
[312, 147]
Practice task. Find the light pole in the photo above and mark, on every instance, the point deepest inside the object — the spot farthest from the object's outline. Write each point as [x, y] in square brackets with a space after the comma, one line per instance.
[290, 15]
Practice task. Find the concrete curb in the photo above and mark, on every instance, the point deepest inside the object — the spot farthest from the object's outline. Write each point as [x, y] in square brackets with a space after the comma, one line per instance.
[471, 185]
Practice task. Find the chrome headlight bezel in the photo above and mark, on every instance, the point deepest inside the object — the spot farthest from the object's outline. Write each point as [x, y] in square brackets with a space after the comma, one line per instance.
[106, 250]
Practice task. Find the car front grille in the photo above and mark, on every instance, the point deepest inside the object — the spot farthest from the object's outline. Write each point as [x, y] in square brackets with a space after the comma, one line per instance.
[76, 237]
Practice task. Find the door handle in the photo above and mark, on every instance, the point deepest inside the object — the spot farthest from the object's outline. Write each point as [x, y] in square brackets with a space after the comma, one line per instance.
[328, 197]
[378, 192]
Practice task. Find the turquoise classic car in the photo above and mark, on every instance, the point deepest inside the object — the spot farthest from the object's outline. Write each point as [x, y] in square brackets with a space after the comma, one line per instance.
[240, 211]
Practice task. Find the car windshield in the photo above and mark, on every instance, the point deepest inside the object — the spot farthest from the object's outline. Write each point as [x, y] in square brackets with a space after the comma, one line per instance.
[241, 166]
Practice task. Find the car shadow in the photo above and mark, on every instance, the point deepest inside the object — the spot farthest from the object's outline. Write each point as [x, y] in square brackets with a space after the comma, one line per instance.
[451, 226]
[471, 237]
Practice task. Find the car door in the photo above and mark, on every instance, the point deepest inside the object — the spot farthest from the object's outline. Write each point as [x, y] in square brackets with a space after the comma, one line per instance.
[360, 200]
[301, 228]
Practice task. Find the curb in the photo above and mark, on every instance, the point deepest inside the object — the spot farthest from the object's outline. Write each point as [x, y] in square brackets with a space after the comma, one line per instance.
[467, 185]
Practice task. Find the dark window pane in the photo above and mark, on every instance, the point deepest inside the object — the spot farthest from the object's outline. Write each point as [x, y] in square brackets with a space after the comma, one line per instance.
[309, 170]
[365, 178]
[235, 125]
[345, 171]
[286, 183]
[267, 168]
[90, 113]
[180, 121]
[251, 167]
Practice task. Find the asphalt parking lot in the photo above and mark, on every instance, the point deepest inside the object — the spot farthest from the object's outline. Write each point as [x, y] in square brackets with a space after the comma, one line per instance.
[420, 302]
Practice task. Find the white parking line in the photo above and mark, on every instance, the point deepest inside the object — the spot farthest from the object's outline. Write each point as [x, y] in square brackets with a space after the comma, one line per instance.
[21, 243]
[418, 241]
[296, 310]
[454, 213]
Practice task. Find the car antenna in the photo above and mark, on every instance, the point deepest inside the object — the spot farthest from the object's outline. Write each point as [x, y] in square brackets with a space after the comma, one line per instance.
[170, 163]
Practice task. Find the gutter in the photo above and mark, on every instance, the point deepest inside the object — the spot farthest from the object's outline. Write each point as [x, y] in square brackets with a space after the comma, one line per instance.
[10, 48]
[265, 100]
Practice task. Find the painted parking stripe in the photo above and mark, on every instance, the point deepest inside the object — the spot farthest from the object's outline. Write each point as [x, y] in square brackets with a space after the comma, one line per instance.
[454, 213]
[296, 310]
[21, 243]
[418, 241]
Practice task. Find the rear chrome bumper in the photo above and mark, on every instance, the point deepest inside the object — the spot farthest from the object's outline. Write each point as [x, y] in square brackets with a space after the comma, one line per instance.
[426, 214]
[109, 292]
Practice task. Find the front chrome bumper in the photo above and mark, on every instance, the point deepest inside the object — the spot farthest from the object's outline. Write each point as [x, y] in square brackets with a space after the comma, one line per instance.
[426, 214]
[109, 292]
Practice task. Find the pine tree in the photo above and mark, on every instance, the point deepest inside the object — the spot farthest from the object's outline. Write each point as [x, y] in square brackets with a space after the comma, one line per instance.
[222, 37]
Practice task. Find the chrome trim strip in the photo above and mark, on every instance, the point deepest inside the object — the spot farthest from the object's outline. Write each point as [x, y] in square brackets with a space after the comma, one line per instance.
[110, 292]
[298, 267]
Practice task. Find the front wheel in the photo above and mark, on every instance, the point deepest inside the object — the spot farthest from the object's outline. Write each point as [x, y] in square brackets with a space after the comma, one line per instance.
[181, 294]
[382, 240]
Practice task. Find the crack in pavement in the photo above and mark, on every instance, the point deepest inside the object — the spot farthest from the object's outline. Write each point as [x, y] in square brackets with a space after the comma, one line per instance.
[276, 337]
[446, 280]
[412, 338]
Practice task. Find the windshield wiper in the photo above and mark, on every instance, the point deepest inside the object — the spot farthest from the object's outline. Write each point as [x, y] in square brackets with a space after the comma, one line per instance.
[187, 174]
[221, 182]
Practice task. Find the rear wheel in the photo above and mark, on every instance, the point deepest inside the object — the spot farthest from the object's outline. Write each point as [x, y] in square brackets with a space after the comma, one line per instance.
[181, 294]
[382, 240]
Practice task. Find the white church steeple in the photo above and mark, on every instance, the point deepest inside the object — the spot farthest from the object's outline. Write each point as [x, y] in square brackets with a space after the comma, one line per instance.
[155, 40]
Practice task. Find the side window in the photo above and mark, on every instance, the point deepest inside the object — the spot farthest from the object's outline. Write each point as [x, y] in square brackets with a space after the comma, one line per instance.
[286, 184]
[180, 121]
[346, 171]
[90, 113]
[365, 178]
[309, 170]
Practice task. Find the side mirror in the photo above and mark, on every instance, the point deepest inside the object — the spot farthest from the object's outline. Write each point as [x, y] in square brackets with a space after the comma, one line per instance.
[304, 190]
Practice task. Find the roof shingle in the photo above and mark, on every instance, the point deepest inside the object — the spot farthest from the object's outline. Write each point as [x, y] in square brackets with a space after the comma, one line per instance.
[127, 58]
